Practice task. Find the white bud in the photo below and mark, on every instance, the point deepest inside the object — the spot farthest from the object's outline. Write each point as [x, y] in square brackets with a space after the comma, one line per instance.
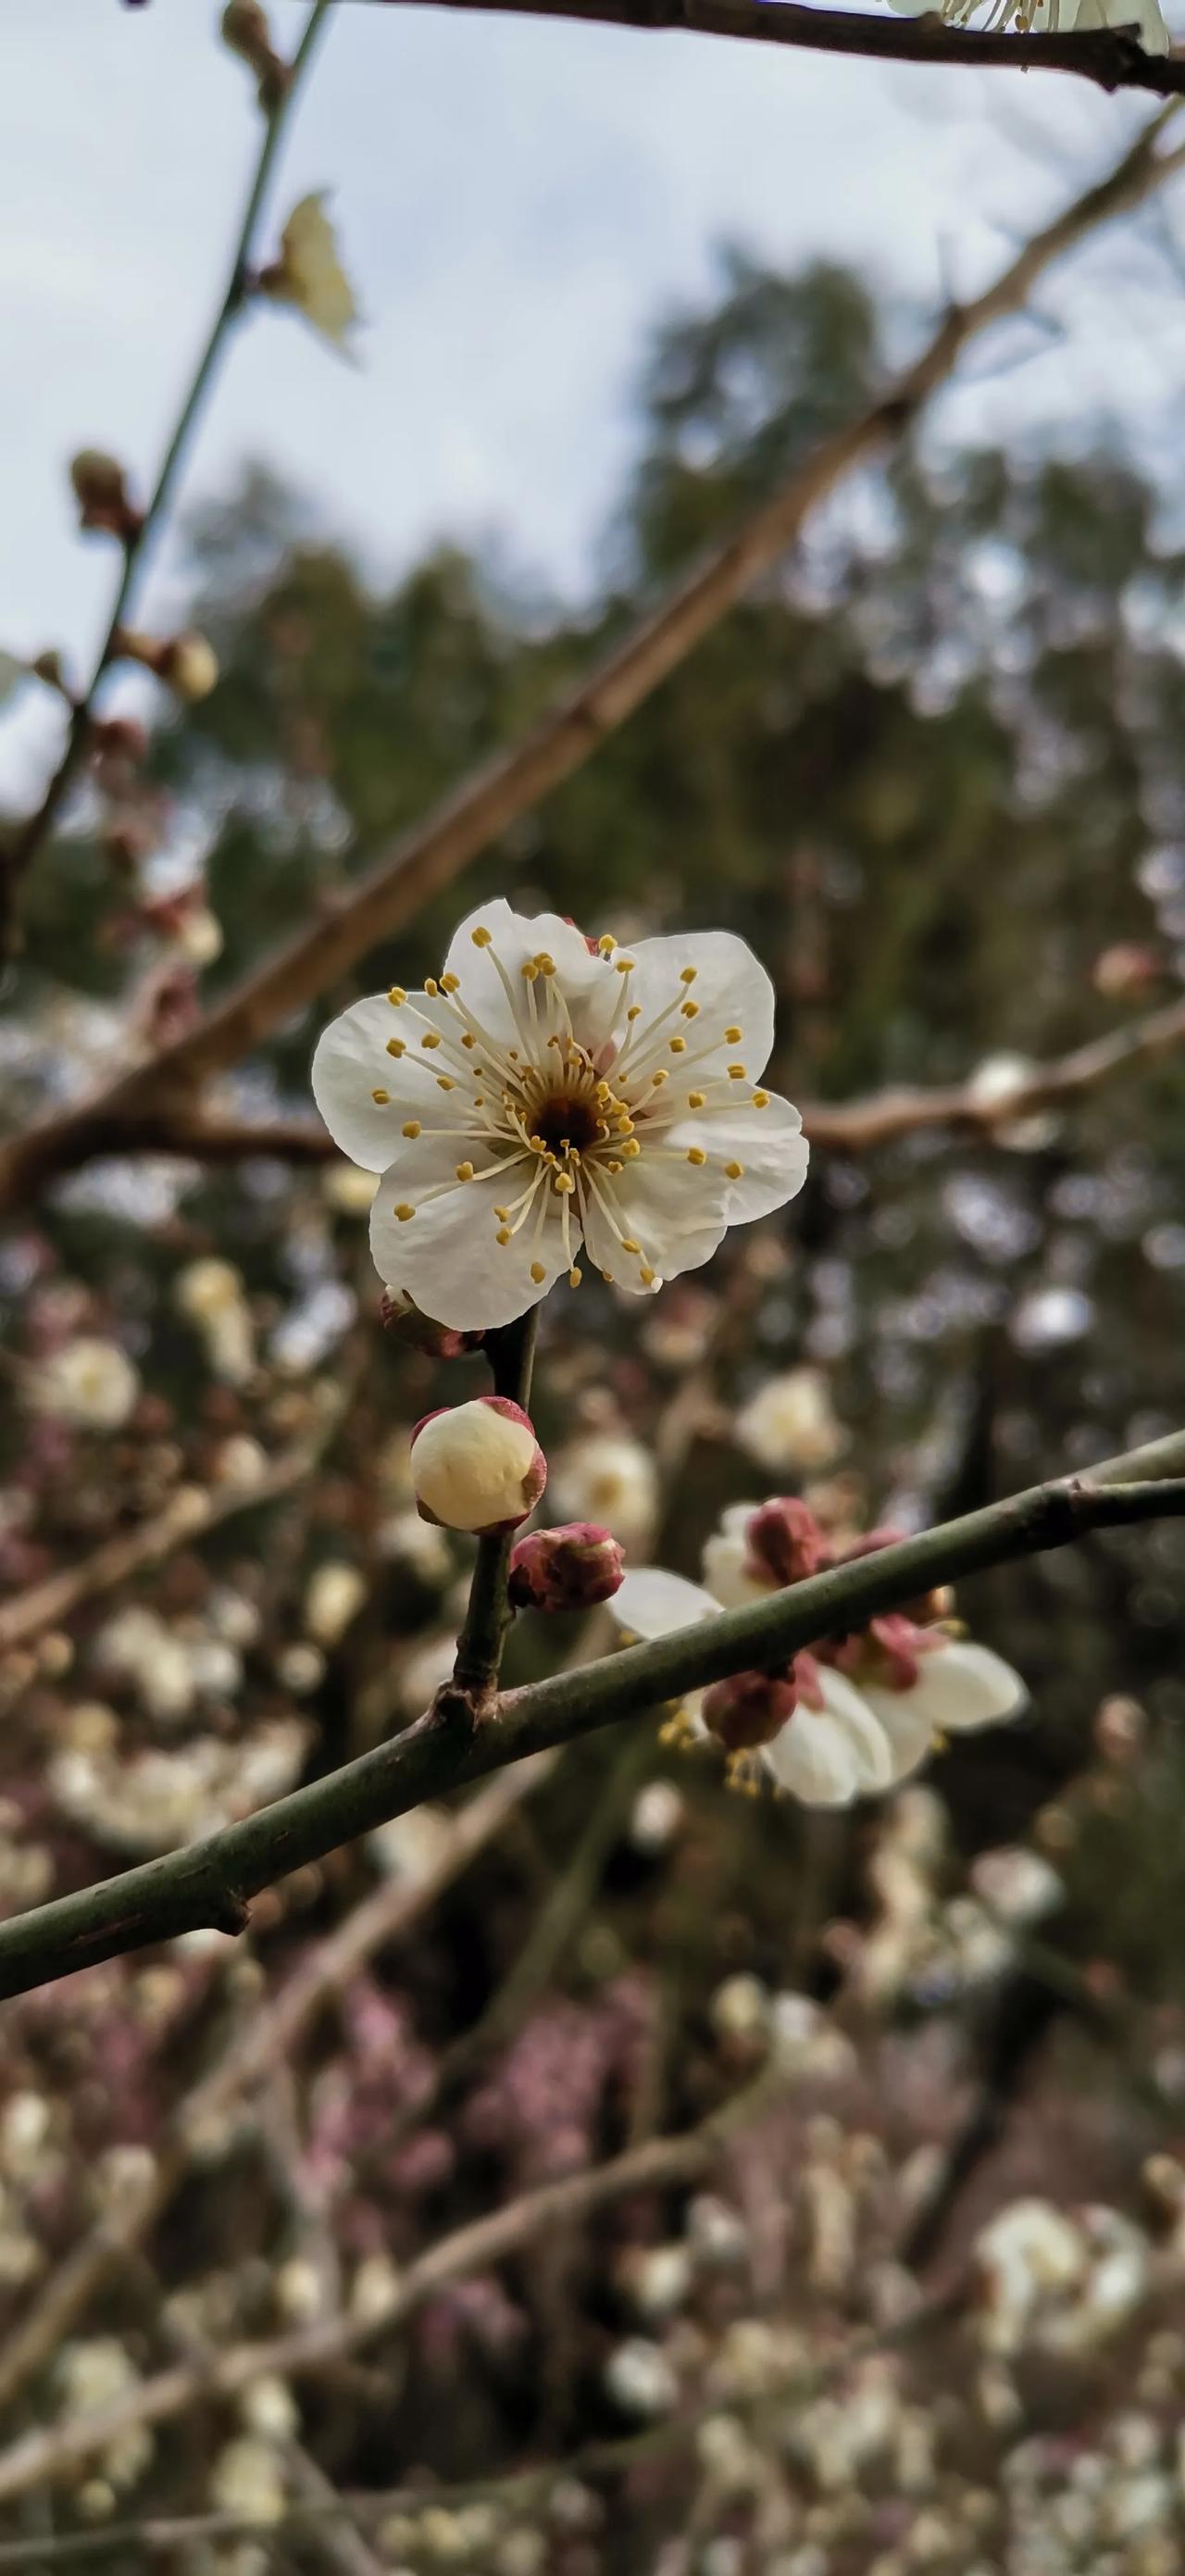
[477, 1466]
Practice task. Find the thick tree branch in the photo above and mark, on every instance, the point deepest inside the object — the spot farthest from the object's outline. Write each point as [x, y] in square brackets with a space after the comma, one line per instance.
[211, 1881]
[1111, 56]
[127, 1114]
[18, 854]
[849, 1127]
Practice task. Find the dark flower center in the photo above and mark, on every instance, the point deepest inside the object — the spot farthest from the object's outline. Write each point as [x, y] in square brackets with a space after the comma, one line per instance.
[564, 1121]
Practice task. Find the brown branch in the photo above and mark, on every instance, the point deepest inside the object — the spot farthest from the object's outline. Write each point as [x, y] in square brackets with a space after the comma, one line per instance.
[1111, 56]
[18, 854]
[857, 1126]
[209, 1882]
[267, 2042]
[849, 1127]
[422, 862]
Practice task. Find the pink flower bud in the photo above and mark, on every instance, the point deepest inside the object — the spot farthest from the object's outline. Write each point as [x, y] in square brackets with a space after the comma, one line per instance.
[749, 1709]
[100, 489]
[477, 1466]
[186, 663]
[421, 1332]
[785, 1542]
[570, 1568]
[1124, 972]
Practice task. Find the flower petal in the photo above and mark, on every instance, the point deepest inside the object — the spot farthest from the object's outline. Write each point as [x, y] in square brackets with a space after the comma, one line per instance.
[446, 1255]
[959, 1687]
[907, 1725]
[513, 943]
[767, 1143]
[653, 1603]
[731, 990]
[351, 1063]
[673, 1213]
[726, 1570]
[834, 1754]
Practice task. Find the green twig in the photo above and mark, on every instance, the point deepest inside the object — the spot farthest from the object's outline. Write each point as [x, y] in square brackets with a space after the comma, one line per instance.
[19, 855]
[209, 1882]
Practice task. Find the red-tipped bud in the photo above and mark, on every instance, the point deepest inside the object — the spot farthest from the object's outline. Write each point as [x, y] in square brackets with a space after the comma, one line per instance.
[749, 1709]
[570, 1568]
[100, 489]
[477, 1466]
[186, 663]
[1124, 973]
[245, 29]
[785, 1541]
[118, 738]
[403, 1318]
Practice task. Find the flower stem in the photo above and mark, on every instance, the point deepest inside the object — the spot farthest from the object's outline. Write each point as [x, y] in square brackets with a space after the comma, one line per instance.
[511, 1354]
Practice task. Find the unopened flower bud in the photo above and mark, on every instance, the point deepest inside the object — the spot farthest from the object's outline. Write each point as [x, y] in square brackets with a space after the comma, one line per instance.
[246, 31]
[570, 1568]
[477, 1466]
[186, 663]
[100, 489]
[1125, 971]
[749, 1709]
[785, 1541]
[118, 738]
[403, 1318]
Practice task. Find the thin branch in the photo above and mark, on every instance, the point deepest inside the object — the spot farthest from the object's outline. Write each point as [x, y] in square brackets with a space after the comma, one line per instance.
[849, 1127]
[860, 1125]
[267, 2042]
[127, 1115]
[476, 2246]
[18, 856]
[1113, 57]
[189, 1514]
[209, 1882]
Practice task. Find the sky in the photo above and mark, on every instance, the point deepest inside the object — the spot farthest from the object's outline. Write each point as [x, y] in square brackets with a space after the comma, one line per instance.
[517, 203]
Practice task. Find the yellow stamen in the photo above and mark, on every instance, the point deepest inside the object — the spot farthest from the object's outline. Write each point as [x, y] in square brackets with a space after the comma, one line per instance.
[450, 983]
[464, 1171]
[735, 1171]
[732, 1037]
[403, 1211]
[444, 1082]
[481, 938]
[761, 1099]
[628, 1244]
[687, 974]
[657, 1079]
[397, 995]
[648, 1277]
[573, 1278]
[696, 1154]
[625, 965]
[503, 1234]
[396, 1046]
[689, 1010]
[382, 1098]
[631, 1149]
[430, 1039]
[412, 1127]
[606, 943]
[538, 1273]
[678, 1046]
[737, 1073]
[695, 1099]
[431, 985]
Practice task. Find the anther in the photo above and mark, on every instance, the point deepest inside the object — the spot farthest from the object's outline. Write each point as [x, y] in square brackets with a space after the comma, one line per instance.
[412, 1127]
[481, 938]
[464, 1171]
[696, 1154]
[404, 1210]
[382, 1097]
[396, 1046]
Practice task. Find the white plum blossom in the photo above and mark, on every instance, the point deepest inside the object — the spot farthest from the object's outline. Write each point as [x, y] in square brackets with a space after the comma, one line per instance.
[789, 1426]
[89, 1384]
[1051, 17]
[607, 1476]
[548, 1093]
[856, 1731]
